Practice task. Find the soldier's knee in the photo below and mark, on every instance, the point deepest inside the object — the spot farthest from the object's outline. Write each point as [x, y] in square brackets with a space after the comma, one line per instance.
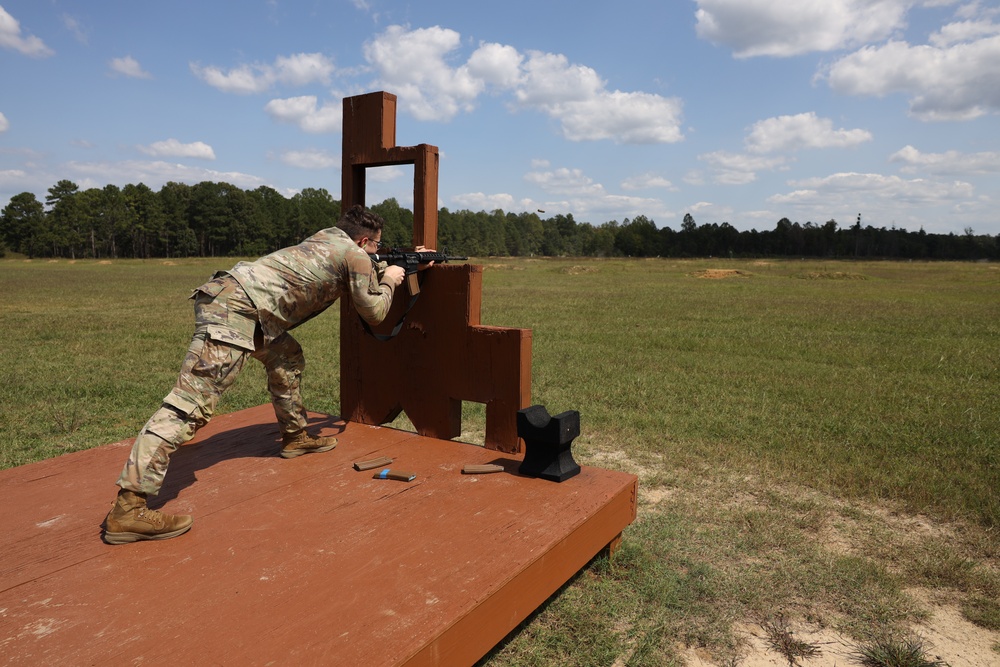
[180, 416]
[292, 356]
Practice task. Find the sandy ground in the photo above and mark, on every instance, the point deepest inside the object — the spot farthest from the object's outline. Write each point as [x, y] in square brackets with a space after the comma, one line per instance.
[947, 637]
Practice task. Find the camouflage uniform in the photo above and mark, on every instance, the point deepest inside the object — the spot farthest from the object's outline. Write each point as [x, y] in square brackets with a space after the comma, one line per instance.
[247, 311]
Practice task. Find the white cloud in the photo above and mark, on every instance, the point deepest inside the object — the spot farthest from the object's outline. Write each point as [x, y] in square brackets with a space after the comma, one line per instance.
[497, 65]
[950, 162]
[412, 63]
[11, 176]
[130, 67]
[849, 187]
[694, 177]
[937, 205]
[296, 70]
[174, 148]
[417, 66]
[739, 168]
[957, 82]
[629, 118]
[11, 38]
[563, 181]
[804, 130]
[647, 181]
[768, 28]
[4, 123]
[305, 112]
[242, 80]
[301, 69]
[74, 27]
[477, 201]
[153, 173]
[312, 158]
[550, 81]
[705, 212]
[576, 96]
[964, 31]
[386, 174]
[583, 197]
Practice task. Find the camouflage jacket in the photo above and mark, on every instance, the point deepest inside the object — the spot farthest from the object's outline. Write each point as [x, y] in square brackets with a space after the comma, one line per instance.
[299, 282]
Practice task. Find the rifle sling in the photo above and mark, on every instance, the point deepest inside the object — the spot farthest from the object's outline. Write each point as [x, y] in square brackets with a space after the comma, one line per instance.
[399, 324]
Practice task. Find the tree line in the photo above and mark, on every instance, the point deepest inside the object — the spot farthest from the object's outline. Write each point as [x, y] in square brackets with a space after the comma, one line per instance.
[219, 219]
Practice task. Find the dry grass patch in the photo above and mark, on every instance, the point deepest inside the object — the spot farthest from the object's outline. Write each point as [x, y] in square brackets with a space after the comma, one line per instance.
[775, 574]
[719, 274]
[577, 270]
[503, 267]
[830, 275]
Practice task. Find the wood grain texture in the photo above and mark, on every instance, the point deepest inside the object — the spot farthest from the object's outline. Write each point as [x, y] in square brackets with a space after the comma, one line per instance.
[303, 560]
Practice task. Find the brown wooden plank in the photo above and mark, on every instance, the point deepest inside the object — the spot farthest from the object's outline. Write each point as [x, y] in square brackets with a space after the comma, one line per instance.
[304, 559]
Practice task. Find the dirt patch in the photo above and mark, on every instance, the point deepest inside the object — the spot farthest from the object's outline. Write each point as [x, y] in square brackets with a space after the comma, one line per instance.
[719, 274]
[503, 267]
[950, 637]
[838, 527]
[654, 496]
[946, 637]
[830, 649]
[577, 270]
[830, 275]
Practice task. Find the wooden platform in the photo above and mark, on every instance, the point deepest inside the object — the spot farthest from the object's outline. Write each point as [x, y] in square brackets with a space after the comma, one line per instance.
[301, 561]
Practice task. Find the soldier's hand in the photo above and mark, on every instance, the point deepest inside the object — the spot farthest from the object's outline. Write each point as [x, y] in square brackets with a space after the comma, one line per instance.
[421, 248]
[393, 275]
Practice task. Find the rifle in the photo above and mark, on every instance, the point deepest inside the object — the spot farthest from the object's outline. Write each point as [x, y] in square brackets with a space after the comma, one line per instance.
[411, 261]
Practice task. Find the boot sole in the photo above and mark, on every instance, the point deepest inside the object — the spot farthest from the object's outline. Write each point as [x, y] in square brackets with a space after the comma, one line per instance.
[128, 538]
[299, 452]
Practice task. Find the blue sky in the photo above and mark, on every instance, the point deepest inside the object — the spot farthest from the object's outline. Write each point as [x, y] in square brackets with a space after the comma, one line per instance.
[739, 111]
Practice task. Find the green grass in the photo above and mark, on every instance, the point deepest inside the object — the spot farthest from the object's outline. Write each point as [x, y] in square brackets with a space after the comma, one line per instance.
[881, 388]
[814, 440]
[907, 652]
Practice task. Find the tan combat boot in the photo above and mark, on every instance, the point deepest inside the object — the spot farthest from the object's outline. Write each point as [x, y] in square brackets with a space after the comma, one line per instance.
[297, 444]
[131, 521]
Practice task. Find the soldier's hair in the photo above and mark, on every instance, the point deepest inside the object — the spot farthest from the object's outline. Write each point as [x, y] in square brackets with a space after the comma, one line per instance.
[359, 222]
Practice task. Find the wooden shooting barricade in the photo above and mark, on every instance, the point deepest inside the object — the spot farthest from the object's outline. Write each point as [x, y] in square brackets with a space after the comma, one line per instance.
[310, 560]
[448, 356]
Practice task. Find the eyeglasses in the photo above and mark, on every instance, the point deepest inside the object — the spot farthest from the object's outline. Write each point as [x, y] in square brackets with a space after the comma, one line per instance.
[378, 244]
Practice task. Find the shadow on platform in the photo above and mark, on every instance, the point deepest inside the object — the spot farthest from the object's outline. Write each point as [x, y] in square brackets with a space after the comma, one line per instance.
[297, 560]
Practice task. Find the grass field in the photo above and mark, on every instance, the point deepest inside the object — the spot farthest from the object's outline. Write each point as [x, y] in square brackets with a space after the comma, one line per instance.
[816, 441]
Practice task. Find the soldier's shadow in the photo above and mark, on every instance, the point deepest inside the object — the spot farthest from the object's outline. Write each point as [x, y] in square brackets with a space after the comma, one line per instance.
[254, 440]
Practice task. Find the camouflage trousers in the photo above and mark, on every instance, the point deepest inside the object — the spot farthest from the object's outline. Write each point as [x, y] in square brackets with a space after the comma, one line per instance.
[225, 321]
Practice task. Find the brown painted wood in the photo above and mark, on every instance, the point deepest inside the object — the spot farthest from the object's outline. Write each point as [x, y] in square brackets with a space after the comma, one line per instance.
[294, 561]
[441, 357]
[369, 140]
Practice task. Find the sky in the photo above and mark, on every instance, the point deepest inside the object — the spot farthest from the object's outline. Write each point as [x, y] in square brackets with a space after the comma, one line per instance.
[738, 111]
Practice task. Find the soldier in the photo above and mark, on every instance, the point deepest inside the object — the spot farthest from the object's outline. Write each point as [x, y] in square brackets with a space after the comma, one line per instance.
[247, 312]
